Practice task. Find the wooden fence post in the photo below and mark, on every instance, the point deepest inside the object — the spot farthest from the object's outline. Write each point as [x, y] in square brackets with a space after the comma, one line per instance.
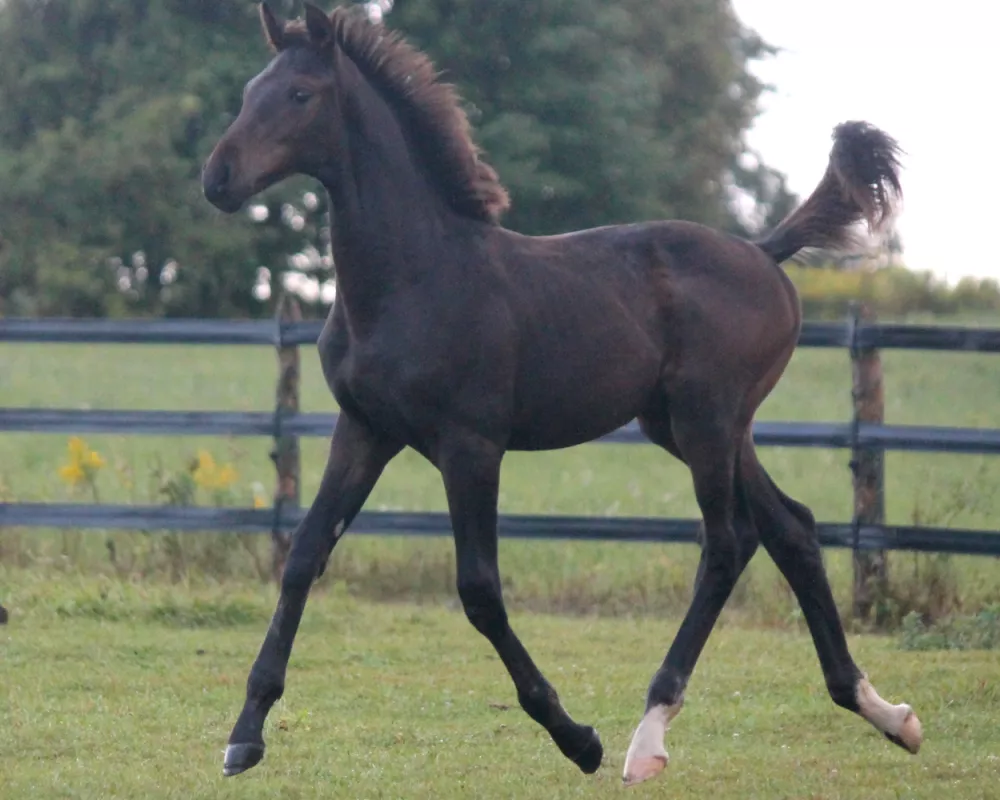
[286, 448]
[871, 568]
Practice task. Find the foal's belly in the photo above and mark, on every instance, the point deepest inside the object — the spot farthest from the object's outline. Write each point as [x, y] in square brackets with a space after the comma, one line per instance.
[563, 406]
[568, 433]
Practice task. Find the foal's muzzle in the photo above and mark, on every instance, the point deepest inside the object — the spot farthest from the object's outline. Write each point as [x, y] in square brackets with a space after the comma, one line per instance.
[217, 186]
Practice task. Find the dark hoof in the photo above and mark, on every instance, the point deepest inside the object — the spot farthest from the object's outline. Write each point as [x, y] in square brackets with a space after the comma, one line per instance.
[241, 757]
[589, 758]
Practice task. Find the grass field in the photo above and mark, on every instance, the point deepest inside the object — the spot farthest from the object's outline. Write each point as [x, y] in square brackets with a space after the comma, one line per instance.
[117, 691]
[133, 695]
[123, 679]
[939, 388]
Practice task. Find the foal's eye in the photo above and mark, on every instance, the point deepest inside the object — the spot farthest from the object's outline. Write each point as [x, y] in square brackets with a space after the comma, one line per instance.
[301, 96]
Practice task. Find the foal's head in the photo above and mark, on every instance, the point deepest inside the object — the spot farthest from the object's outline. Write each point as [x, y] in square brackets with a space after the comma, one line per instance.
[293, 116]
[287, 122]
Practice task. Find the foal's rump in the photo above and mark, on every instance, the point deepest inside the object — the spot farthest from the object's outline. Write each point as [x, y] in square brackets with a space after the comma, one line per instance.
[605, 315]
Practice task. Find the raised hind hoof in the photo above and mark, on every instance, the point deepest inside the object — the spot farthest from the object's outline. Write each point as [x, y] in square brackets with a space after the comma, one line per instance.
[589, 758]
[241, 757]
[642, 769]
[646, 757]
[910, 735]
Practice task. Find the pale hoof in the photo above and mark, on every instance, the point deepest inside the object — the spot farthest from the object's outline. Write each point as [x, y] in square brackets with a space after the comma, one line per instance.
[898, 723]
[910, 735]
[642, 769]
[241, 757]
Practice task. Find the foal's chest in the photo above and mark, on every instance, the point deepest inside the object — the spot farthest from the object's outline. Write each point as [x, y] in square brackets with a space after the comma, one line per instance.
[391, 388]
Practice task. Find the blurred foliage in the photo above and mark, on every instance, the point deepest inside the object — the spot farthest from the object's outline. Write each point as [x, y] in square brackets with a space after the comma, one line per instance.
[826, 293]
[979, 631]
[596, 113]
[110, 107]
[593, 113]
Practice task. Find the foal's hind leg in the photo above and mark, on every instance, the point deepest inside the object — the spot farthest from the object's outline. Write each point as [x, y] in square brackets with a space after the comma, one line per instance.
[470, 467]
[357, 458]
[708, 445]
[788, 532]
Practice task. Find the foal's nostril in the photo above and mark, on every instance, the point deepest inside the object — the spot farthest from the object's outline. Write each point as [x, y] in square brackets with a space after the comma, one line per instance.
[222, 177]
[220, 187]
[216, 180]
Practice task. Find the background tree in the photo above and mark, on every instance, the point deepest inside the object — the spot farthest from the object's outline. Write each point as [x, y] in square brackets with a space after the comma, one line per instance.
[110, 107]
[592, 112]
[607, 112]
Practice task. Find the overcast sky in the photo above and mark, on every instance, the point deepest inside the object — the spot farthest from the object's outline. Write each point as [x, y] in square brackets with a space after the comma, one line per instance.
[926, 73]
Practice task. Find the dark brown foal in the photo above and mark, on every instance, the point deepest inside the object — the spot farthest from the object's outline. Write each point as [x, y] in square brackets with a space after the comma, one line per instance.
[462, 340]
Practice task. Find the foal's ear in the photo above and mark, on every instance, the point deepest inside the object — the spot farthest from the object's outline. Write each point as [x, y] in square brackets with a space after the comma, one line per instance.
[320, 27]
[274, 29]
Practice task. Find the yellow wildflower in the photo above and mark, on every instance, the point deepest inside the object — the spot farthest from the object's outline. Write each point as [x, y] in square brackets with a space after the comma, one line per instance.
[83, 464]
[72, 473]
[209, 475]
[226, 476]
[204, 465]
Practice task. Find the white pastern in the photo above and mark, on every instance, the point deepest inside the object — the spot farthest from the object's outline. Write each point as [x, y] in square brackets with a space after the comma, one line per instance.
[646, 755]
[898, 721]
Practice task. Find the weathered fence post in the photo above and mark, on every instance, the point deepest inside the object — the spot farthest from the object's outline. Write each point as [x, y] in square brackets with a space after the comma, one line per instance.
[868, 467]
[286, 447]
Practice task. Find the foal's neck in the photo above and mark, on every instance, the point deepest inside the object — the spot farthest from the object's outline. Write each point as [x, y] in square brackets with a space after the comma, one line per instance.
[389, 221]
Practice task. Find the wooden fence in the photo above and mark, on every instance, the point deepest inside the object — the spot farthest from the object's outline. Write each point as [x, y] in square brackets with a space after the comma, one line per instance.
[864, 435]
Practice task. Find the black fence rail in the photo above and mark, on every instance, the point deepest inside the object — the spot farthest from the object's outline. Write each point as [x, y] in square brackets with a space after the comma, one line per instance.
[849, 334]
[514, 526]
[865, 439]
[830, 435]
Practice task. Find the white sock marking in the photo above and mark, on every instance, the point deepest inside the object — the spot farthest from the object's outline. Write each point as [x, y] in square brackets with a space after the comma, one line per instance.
[898, 721]
[646, 754]
[884, 716]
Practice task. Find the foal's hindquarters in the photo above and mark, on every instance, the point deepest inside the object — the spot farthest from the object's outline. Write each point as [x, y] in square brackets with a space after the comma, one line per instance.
[740, 327]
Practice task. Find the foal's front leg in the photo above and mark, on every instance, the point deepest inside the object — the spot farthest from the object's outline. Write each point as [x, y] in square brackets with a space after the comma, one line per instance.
[357, 458]
[471, 472]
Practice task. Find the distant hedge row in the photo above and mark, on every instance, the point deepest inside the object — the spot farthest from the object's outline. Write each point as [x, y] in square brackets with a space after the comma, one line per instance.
[890, 291]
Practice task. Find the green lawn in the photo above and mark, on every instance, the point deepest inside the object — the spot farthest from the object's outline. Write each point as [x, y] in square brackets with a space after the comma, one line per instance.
[935, 388]
[921, 388]
[115, 690]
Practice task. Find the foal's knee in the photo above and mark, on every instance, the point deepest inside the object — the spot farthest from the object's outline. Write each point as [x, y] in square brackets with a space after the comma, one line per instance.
[483, 604]
[297, 576]
[721, 557]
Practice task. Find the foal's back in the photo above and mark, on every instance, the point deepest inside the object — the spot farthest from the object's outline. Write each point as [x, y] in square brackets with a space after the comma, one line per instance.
[607, 316]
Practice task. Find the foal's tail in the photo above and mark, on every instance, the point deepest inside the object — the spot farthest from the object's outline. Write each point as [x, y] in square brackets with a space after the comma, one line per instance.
[861, 182]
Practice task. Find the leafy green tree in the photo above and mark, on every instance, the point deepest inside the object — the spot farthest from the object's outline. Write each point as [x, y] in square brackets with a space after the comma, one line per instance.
[606, 112]
[592, 112]
[109, 109]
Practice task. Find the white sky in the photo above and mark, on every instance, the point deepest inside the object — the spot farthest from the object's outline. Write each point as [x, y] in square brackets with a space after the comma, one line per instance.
[924, 72]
